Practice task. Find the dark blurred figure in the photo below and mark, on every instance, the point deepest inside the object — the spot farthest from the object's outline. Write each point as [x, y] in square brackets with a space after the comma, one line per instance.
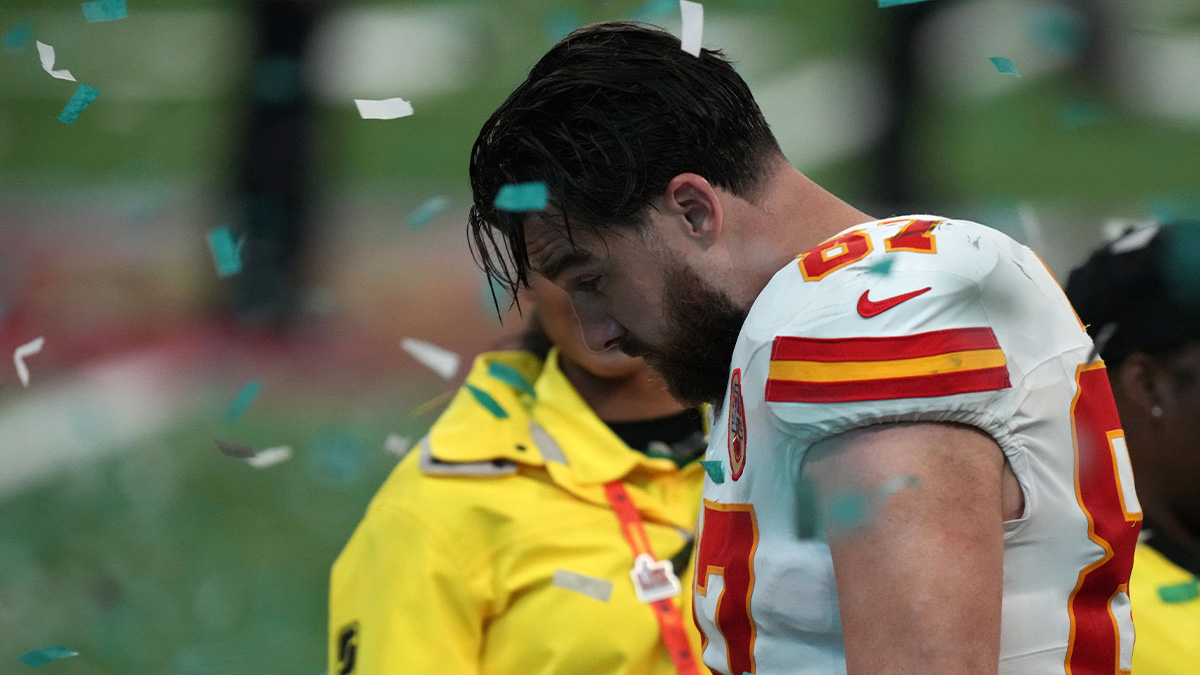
[275, 165]
[1140, 296]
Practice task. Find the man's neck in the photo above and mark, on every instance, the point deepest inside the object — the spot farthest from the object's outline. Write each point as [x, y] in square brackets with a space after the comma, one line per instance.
[792, 215]
[638, 397]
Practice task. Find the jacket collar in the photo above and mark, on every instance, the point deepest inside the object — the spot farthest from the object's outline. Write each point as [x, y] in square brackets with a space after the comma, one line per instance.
[554, 429]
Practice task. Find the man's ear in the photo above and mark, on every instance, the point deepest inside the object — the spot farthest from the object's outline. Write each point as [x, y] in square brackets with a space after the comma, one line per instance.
[696, 207]
[1140, 381]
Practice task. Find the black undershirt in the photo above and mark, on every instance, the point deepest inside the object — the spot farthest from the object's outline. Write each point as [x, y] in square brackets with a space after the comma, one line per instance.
[678, 437]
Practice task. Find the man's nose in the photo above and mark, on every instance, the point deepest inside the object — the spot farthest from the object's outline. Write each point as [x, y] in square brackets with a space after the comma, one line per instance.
[600, 330]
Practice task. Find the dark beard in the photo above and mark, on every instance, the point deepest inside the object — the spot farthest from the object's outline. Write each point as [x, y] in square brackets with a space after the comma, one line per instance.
[702, 328]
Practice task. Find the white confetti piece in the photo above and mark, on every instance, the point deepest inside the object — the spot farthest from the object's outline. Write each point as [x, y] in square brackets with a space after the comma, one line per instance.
[270, 457]
[26, 350]
[397, 445]
[441, 361]
[693, 26]
[1135, 240]
[387, 109]
[46, 52]
[598, 589]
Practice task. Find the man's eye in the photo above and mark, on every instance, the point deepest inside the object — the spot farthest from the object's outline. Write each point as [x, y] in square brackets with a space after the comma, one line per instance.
[589, 283]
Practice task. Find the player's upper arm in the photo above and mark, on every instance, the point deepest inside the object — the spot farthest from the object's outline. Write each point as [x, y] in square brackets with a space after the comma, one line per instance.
[920, 572]
[401, 603]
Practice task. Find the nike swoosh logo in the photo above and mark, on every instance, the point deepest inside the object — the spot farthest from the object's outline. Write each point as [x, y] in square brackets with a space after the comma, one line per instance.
[868, 308]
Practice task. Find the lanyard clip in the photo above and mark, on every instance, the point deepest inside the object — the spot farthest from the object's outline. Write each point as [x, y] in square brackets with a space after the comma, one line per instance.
[654, 580]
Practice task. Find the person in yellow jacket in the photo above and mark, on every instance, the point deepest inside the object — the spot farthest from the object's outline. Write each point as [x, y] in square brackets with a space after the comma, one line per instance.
[1141, 296]
[495, 546]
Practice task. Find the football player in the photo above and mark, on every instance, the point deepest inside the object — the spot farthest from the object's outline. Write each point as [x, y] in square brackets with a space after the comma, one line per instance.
[1140, 297]
[922, 381]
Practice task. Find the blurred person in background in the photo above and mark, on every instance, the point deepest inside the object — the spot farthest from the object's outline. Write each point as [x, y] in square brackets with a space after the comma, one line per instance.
[552, 469]
[1141, 302]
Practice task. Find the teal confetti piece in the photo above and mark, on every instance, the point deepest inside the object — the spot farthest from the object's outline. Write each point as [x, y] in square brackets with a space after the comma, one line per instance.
[485, 399]
[243, 400]
[897, 3]
[562, 22]
[883, 267]
[427, 211]
[715, 469]
[1080, 114]
[1178, 593]
[522, 197]
[652, 10]
[104, 10]
[1005, 66]
[16, 39]
[1059, 30]
[226, 252]
[82, 98]
[40, 657]
[847, 510]
[511, 376]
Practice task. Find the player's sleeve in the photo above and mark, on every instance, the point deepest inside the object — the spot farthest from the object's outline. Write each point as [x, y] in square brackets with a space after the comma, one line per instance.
[401, 603]
[937, 357]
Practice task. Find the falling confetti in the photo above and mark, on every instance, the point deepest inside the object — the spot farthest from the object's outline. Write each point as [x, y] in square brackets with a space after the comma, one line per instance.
[850, 509]
[895, 484]
[26, 350]
[693, 26]
[270, 457]
[441, 361]
[715, 469]
[46, 53]
[397, 445]
[598, 589]
[1079, 114]
[427, 211]
[485, 399]
[562, 22]
[242, 403]
[882, 268]
[387, 109]
[1005, 66]
[234, 449]
[226, 252]
[895, 3]
[432, 403]
[846, 510]
[512, 377]
[652, 10]
[1177, 593]
[104, 10]
[40, 657]
[522, 197]
[16, 39]
[78, 102]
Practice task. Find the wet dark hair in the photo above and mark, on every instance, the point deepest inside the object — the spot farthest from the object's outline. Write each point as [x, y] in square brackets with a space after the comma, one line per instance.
[1141, 297]
[606, 119]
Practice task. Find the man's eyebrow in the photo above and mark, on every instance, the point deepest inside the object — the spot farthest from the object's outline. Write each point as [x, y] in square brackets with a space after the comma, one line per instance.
[560, 265]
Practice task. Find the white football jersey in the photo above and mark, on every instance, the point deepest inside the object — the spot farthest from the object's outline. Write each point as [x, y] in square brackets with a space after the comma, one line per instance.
[905, 320]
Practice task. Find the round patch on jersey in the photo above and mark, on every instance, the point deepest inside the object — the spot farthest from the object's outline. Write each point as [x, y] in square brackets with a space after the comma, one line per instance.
[737, 426]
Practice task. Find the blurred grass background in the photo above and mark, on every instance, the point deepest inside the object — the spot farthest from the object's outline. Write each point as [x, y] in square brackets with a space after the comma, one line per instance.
[126, 536]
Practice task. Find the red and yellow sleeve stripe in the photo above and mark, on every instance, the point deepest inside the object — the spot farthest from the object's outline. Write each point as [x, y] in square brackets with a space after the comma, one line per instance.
[938, 363]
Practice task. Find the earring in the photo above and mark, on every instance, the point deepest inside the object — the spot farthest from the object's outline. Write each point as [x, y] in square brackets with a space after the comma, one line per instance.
[1156, 411]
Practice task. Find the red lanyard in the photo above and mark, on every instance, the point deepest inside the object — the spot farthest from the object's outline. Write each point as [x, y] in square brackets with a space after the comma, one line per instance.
[670, 620]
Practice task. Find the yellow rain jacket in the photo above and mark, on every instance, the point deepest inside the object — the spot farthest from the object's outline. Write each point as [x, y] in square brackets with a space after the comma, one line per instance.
[1168, 633]
[451, 569]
